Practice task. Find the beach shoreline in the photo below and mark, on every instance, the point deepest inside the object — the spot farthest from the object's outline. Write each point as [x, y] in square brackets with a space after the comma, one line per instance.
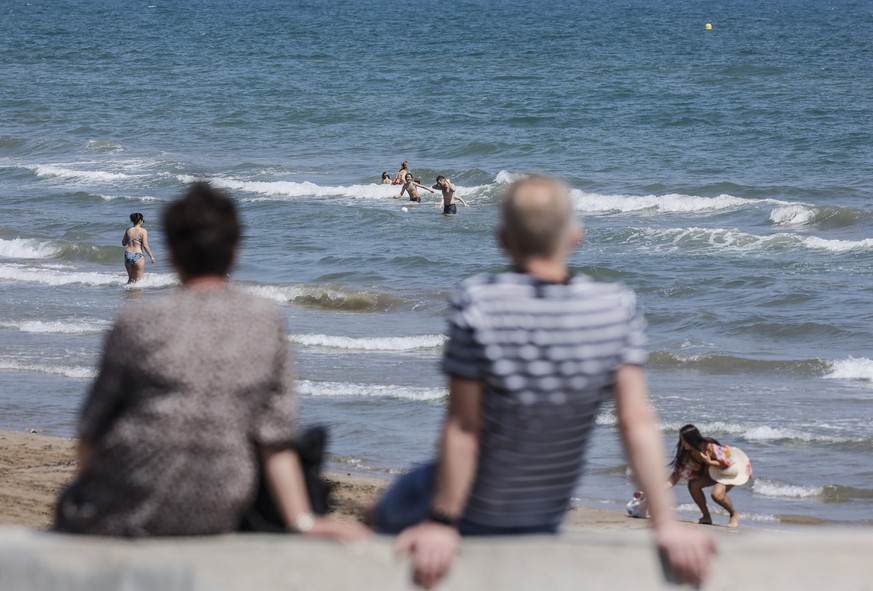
[34, 468]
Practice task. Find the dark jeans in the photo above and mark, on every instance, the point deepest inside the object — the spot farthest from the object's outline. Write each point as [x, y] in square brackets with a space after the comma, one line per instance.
[408, 501]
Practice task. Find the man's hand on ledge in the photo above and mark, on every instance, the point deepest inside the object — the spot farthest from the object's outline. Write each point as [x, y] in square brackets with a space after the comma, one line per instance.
[433, 547]
[688, 551]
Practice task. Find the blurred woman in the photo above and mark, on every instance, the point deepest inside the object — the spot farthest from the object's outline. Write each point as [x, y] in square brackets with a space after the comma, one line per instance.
[193, 401]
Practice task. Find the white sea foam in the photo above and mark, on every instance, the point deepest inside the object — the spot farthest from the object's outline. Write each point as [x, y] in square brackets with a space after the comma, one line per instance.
[128, 197]
[54, 277]
[853, 368]
[797, 214]
[47, 170]
[760, 433]
[772, 488]
[349, 390]
[58, 327]
[25, 248]
[670, 203]
[837, 245]
[80, 373]
[411, 343]
[736, 240]
[277, 293]
[759, 517]
[504, 177]
[293, 191]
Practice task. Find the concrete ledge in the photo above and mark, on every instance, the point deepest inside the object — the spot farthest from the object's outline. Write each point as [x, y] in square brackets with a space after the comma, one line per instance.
[37, 561]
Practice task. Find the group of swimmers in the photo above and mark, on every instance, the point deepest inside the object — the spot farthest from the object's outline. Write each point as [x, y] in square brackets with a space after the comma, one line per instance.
[411, 185]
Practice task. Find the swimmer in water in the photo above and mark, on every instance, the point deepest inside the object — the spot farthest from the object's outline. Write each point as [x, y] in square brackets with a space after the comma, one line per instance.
[450, 194]
[135, 241]
[411, 186]
[401, 174]
[386, 178]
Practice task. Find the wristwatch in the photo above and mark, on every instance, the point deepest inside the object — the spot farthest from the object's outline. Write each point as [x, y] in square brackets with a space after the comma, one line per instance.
[437, 515]
[303, 523]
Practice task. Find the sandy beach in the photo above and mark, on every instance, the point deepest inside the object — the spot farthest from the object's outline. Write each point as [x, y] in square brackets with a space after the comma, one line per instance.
[34, 468]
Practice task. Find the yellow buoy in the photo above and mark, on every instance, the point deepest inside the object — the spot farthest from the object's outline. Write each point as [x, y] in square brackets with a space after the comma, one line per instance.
[708, 26]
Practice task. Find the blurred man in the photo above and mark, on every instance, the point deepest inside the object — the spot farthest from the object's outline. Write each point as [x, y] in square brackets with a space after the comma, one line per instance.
[532, 354]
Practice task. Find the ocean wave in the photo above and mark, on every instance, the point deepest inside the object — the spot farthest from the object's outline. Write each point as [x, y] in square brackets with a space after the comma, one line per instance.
[728, 364]
[771, 488]
[793, 215]
[765, 433]
[129, 197]
[669, 203]
[92, 278]
[504, 177]
[694, 238]
[837, 245]
[293, 191]
[26, 248]
[29, 248]
[326, 297]
[853, 368]
[804, 214]
[828, 493]
[52, 171]
[79, 373]
[398, 344]
[57, 327]
[347, 390]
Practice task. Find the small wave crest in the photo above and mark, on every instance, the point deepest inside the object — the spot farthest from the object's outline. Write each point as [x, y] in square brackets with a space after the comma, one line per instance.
[694, 238]
[51, 171]
[327, 297]
[293, 191]
[670, 203]
[26, 248]
[504, 177]
[853, 368]
[804, 214]
[393, 344]
[828, 493]
[728, 365]
[766, 433]
[57, 327]
[79, 373]
[54, 277]
[348, 390]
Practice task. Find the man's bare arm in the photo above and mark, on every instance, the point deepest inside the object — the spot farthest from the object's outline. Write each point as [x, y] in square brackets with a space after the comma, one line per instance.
[432, 544]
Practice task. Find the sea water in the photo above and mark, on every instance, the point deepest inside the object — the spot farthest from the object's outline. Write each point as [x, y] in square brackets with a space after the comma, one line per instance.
[726, 175]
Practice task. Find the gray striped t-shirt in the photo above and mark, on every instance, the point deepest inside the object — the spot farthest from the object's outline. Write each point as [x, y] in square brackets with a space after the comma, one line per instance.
[547, 355]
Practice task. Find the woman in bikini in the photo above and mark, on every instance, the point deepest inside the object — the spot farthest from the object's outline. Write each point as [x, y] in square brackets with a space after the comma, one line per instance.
[136, 239]
[705, 462]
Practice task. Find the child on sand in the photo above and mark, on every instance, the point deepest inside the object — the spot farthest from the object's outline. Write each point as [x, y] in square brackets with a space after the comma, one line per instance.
[706, 462]
[411, 186]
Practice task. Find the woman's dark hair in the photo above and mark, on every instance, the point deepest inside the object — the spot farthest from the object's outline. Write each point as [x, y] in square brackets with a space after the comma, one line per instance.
[202, 231]
[385, 175]
[691, 435]
[136, 218]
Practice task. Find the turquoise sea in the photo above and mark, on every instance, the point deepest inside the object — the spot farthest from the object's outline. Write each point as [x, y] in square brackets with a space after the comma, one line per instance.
[726, 175]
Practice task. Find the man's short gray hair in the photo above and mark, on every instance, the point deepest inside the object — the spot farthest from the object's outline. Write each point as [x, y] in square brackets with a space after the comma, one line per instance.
[538, 216]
